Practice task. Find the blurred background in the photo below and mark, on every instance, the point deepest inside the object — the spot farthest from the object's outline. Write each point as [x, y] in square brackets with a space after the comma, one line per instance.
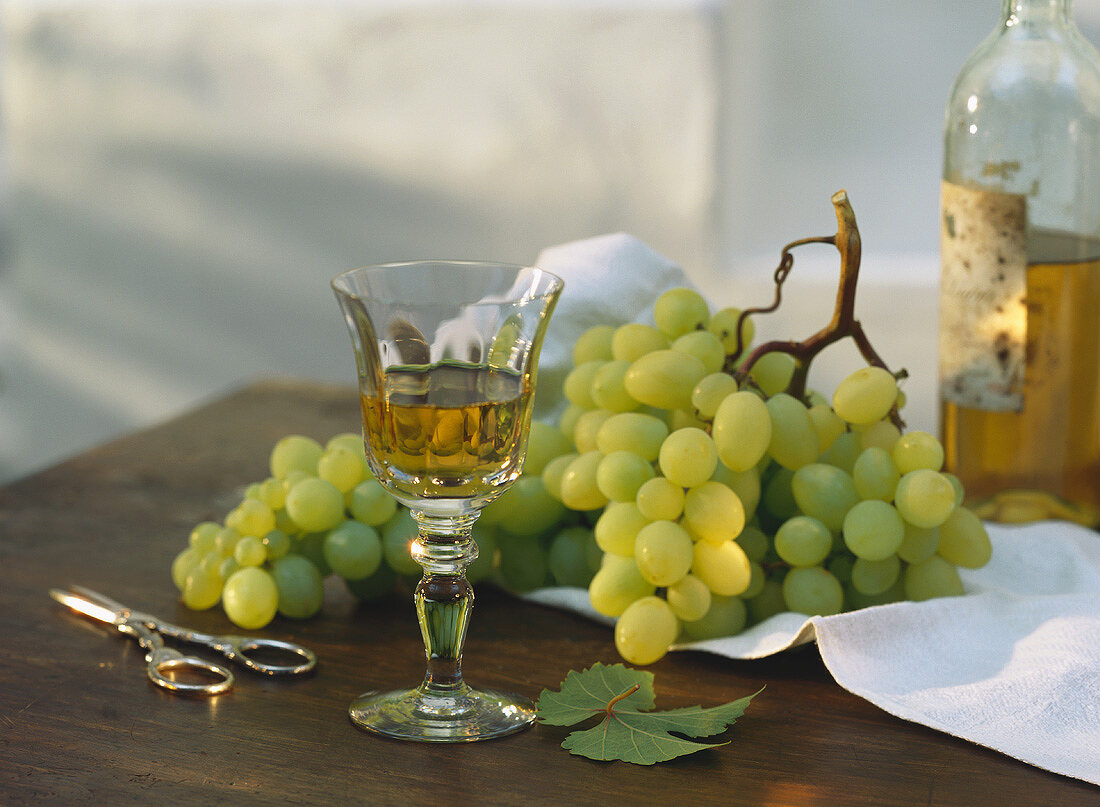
[180, 179]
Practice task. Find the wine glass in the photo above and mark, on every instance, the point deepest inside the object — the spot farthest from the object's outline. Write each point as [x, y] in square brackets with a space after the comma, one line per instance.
[447, 353]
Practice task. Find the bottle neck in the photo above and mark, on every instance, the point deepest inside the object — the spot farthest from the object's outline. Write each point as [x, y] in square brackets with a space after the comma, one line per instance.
[1033, 12]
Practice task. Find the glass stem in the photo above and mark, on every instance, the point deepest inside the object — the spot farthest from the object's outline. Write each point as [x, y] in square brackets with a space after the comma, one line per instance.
[443, 597]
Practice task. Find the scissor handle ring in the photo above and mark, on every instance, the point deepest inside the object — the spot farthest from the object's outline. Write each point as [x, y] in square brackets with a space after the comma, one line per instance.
[167, 660]
[242, 647]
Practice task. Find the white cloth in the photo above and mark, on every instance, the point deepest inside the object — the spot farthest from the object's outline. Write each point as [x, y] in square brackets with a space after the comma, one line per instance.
[1013, 664]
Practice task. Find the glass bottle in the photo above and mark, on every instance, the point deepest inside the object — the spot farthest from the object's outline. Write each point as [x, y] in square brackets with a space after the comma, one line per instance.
[1020, 269]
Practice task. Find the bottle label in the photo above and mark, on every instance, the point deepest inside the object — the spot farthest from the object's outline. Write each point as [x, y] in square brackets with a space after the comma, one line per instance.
[983, 307]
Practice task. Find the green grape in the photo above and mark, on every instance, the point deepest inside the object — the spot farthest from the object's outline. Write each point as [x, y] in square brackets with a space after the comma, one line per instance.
[742, 430]
[523, 562]
[757, 578]
[226, 541]
[276, 544]
[713, 512]
[925, 498]
[353, 550]
[935, 577]
[567, 423]
[914, 450]
[964, 540]
[768, 602]
[594, 344]
[250, 551]
[873, 530]
[312, 547]
[211, 562]
[398, 535]
[866, 395]
[746, 484]
[803, 541]
[688, 457]
[754, 542]
[683, 419]
[202, 587]
[827, 424]
[689, 598]
[250, 598]
[552, 475]
[659, 499]
[723, 324]
[579, 490]
[504, 342]
[857, 599]
[645, 630]
[202, 536]
[252, 491]
[341, 467]
[772, 372]
[301, 590]
[919, 544]
[793, 439]
[840, 567]
[663, 552]
[704, 346]
[608, 389]
[844, 452]
[227, 567]
[680, 310]
[568, 557]
[378, 585]
[956, 483]
[529, 508]
[577, 387]
[875, 474]
[485, 563]
[618, 583]
[875, 576]
[664, 379]
[295, 452]
[251, 517]
[621, 473]
[314, 505]
[371, 503]
[726, 617]
[824, 492]
[349, 441]
[724, 568]
[811, 590]
[711, 390]
[778, 499]
[882, 434]
[544, 443]
[633, 340]
[636, 432]
[182, 565]
[588, 426]
[273, 493]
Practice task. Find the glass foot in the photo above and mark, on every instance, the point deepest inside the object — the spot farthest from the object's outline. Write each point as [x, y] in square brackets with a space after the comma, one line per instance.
[458, 717]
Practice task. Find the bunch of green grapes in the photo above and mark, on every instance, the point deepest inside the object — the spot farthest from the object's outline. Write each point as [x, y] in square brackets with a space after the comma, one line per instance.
[321, 512]
[717, 506]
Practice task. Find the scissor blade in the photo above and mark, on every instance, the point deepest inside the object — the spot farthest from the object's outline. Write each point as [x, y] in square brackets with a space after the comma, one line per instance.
[84, 606]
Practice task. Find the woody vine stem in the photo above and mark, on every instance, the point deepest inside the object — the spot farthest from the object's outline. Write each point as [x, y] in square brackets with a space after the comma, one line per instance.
[843, 323]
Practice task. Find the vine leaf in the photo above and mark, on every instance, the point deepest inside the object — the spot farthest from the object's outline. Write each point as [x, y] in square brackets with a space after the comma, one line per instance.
[629, 730]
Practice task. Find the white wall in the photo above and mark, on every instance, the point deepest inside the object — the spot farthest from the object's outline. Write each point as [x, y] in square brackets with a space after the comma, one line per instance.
[184, 177]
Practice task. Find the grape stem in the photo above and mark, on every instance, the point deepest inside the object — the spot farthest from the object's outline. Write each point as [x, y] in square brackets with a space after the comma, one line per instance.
[843, 323]
[611, 703]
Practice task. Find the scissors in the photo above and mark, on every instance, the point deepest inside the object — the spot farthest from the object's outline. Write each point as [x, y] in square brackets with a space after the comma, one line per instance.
[148, 630]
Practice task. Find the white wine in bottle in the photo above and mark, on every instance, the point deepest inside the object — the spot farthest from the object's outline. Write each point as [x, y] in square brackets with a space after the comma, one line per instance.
[1020, 270]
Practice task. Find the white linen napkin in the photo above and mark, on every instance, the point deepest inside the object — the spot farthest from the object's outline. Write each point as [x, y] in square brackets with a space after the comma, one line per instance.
[1013, 664]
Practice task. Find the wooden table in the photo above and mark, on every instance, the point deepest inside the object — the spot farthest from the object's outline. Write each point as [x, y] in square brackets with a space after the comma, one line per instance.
[80, 723]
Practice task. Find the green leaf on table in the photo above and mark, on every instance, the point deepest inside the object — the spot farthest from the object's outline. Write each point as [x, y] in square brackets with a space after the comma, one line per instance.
[629, 730]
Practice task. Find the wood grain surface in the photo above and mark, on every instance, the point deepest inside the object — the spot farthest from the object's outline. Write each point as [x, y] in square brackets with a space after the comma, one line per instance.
[81, 724]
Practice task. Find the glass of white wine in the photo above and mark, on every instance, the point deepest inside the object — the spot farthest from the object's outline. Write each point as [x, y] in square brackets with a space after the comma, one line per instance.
[447, 353]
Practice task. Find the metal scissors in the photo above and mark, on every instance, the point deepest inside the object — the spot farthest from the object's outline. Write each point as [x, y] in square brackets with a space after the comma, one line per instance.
[148, 630]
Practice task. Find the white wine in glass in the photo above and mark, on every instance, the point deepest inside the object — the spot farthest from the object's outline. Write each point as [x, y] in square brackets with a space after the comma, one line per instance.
[447, 353]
